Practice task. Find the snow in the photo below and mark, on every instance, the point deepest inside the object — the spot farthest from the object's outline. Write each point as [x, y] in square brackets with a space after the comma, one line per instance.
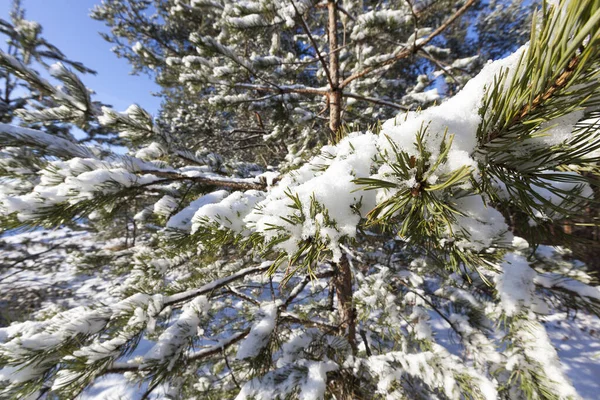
[361, 29]
[150, 152]
[316, 380]
[428, 96]
[42, 261]
[165, 206]
[308, 379]
[328, 179]
[229, 212]
[436, 368]
[260, 333]
[52, 144]
[464, 62]
[168, 346]
[484, 224]
[333, 188]
[516, 284]
[113, 387]
[183, 219]
[534, 340]
[577, 342]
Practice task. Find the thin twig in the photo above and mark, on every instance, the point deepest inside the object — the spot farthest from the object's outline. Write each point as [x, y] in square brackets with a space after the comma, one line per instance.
[363, 335]
[376, 101]
[230, 369]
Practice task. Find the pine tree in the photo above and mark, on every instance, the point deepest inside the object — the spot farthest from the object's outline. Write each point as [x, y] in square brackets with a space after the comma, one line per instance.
[26, 98]
[282, 77]
[26, 46]
[330, 280]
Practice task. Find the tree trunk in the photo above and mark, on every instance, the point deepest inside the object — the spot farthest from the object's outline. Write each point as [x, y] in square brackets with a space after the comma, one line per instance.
[342, 282]
[335, 94]
[344, 384]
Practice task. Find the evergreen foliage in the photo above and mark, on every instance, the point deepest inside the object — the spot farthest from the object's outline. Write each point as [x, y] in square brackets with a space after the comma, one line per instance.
[334, 279]
[270, 78]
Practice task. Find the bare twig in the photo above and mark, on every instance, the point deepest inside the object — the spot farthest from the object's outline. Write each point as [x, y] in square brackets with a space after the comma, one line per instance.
[376, 101]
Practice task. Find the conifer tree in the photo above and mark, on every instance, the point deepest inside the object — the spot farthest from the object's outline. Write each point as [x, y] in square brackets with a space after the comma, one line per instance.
[282, 77]
[330, 280]
[28, 100]
[25, 44]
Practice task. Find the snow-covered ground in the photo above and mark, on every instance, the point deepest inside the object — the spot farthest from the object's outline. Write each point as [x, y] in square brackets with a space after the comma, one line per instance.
[578, 344]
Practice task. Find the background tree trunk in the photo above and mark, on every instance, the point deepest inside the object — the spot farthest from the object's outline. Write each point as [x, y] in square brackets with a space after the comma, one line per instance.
[335, 94]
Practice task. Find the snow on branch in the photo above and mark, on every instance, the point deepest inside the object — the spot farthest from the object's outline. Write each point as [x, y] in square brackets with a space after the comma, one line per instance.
[11, 135]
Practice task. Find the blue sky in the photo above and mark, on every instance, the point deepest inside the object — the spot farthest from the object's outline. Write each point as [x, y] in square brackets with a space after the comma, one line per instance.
[66, 24]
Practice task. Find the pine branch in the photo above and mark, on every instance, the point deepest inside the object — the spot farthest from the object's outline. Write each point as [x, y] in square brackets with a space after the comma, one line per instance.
[118, 368]
[18, 136]
[552, 64]
[375, 100]
[409, 50]
[283, 89]
[238, 184]
[209, 287]
[538, 101]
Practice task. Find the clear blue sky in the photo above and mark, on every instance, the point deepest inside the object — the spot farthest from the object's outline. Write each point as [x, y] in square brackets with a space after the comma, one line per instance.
[66, 24]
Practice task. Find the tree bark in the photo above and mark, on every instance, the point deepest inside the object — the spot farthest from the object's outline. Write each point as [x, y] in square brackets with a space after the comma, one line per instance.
[342, 282]
[335, 94]
[343, 384]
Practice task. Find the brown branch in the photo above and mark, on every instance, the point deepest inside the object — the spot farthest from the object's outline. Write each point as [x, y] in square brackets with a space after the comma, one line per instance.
[408, 51]
[184, 157]
[235, 292]
[202, 180]
[210, 351]
[334, 97]
[363, 335]
[230, 369]
[28, 257]
[119, 368]
[342, 282]
[289, 317]
[250, 137]
[434, 60]
[209, 287]
[376, 101]
[344, 11]
[250, 146]
[150, 390]
[281, 90]
[300, 286]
